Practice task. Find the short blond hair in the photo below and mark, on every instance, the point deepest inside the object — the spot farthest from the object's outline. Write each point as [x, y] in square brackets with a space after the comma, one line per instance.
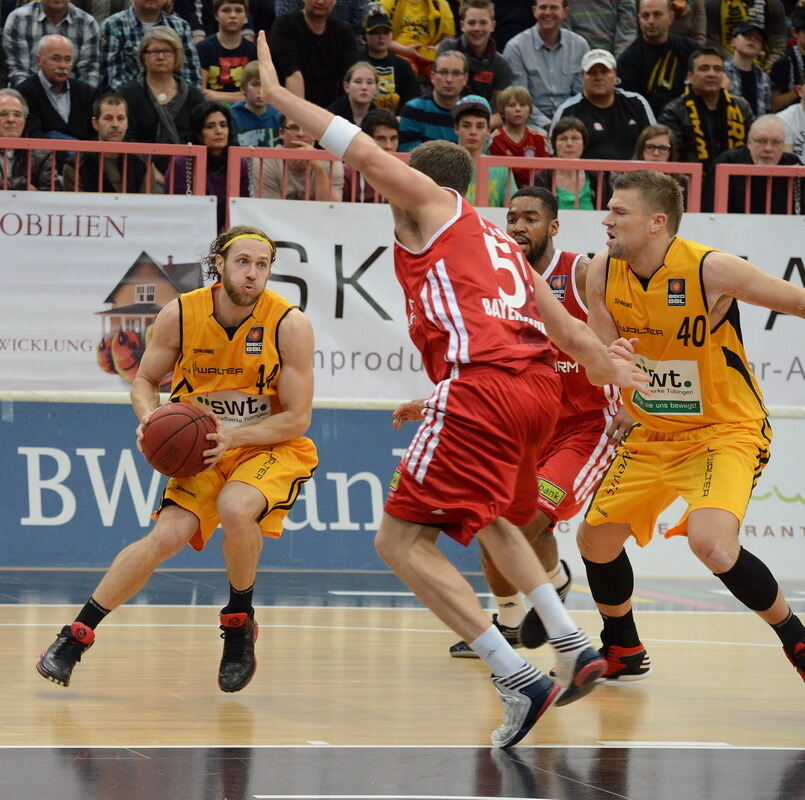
[162, 33]
[251, 72]
[514, 94]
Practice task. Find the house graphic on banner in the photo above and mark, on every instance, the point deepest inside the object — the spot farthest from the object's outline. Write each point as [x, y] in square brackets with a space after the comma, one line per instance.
[133, 305]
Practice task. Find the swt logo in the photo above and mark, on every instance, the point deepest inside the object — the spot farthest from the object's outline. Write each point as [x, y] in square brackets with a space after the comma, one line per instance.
[667, 379]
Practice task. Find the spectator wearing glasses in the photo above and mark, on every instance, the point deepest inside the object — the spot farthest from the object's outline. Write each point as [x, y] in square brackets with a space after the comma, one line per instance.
[15, 172]
[427, 118]
[655, 143]
[546, 59]
[26, 25]
[59, 107]
[121, 40]
[301, 179]
[572, 187]
[160, 101]
[765, 146]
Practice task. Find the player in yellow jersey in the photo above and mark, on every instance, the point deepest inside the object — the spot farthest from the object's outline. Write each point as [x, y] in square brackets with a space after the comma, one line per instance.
[701, 434]
[246, 353]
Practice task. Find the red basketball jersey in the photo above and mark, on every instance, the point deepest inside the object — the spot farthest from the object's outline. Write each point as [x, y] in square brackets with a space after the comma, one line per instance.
[469, 297]
[579, 396]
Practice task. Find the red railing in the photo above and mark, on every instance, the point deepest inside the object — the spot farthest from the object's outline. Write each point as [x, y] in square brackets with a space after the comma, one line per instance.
[198, 184]
[601, 171]
[793, 175]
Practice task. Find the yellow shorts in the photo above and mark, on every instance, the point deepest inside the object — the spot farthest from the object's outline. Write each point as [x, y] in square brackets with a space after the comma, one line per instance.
[277, 471]
[715, 466]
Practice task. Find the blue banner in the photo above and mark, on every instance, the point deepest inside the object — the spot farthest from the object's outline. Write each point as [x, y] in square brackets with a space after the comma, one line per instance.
[76, 491]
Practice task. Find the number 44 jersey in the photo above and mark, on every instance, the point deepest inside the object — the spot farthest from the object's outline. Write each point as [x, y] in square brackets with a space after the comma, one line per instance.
[232, 373]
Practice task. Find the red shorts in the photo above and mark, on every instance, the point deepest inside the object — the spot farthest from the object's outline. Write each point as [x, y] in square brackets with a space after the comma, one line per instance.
[574, 463]
[472, 458]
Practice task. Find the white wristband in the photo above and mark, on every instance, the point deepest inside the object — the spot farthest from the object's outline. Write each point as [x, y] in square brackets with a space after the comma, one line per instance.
[338, 136]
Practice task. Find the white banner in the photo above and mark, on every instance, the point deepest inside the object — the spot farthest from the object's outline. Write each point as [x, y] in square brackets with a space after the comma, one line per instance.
[340, 261]
[83, 277]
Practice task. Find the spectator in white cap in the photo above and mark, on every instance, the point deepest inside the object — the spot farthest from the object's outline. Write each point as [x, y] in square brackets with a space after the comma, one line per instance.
[613, 117]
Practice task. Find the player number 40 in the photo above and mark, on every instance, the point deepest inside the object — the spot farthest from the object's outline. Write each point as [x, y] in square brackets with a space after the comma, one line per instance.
[693, 331]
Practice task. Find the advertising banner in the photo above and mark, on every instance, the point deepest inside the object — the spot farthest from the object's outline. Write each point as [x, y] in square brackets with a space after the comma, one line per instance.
[84, 276]
[76, 491]
[335, 260]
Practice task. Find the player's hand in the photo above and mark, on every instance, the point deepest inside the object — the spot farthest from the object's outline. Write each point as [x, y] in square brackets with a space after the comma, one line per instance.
[220, 442]
[623, 348]
[269, 80]
[620, 425]
[140, 428]
[407, 412]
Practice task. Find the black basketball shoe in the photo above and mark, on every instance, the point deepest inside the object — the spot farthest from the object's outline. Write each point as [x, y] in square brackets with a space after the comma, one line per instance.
[238, 663]
[57, 662]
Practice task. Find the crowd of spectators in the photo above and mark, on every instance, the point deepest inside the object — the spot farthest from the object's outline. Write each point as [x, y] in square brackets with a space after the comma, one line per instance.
[567, 79]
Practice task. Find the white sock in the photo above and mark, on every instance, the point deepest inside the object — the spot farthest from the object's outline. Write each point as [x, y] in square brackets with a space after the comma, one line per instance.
[553, 614]
[557, 576]
[510, 610]
[497, 653]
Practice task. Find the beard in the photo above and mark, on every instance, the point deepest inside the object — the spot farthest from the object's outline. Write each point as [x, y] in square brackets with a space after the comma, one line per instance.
[536, 250]
[238, 298]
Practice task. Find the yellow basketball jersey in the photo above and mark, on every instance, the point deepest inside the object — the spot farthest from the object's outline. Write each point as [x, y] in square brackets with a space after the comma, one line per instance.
[233, 374]
[699, 376]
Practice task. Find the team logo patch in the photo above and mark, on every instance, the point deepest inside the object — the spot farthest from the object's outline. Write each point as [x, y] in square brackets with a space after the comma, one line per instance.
[558, 284]
[254, 341]
[395, 480]
[551, 492]
[676, 292]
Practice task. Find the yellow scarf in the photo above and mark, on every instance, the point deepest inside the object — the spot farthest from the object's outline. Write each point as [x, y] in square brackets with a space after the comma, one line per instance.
[734, 128]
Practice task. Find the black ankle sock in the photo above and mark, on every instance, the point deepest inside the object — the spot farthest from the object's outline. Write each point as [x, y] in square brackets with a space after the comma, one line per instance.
[92, 614]
[240, 601]
[620, 631]
[790, 630]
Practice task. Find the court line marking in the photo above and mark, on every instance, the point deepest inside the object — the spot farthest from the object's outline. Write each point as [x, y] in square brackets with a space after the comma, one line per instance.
[593, 748]
[677, 745]
[385, 797]
[367, 628]
[68, 604]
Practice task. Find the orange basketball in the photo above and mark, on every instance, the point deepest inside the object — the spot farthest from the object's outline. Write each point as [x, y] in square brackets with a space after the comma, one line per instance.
[175, 439]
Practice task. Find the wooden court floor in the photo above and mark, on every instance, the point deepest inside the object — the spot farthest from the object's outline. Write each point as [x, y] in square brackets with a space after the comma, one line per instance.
[359, 702]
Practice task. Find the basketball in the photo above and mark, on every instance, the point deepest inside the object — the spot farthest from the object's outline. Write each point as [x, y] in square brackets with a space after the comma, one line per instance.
[175, 438]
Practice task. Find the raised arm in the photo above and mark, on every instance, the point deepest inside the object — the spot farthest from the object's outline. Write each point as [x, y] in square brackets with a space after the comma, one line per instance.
[405, 188]
[726, 275]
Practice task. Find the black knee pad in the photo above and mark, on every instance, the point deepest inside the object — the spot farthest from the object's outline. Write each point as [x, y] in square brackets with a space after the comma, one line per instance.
[612, 583]
[750, 581]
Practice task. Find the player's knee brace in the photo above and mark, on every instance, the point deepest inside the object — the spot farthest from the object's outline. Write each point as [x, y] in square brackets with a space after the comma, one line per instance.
[611, 583]
[750, 581]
